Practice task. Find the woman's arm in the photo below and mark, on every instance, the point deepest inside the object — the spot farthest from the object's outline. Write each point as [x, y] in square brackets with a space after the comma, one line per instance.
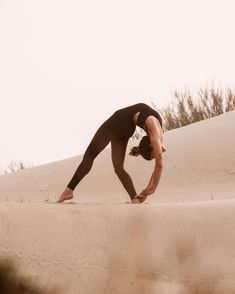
[150, 184]
[155, 178]
[155, 134]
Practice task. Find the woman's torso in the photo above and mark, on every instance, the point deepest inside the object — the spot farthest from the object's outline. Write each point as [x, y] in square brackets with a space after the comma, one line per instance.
[122, 121]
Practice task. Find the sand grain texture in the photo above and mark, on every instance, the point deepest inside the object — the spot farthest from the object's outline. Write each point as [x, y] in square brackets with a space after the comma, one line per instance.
[181, 241]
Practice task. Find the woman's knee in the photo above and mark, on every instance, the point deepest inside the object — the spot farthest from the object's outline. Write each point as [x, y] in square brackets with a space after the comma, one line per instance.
[119, 170]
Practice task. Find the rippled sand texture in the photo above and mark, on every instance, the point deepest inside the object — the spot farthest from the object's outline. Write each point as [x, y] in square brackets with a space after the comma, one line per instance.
[180, 241]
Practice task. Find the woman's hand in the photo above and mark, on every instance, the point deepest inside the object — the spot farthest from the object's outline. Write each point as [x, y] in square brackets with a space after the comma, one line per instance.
[142, 196]
[139, 199]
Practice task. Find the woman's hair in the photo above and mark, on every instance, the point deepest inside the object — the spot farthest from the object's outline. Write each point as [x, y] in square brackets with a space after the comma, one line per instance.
[144, 149]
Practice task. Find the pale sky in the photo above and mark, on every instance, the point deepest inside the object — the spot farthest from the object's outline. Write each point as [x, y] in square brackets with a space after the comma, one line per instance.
[66, 66]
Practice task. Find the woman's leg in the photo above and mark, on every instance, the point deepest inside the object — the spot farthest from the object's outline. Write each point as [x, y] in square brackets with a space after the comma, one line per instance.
[100, 140]
[118, 156]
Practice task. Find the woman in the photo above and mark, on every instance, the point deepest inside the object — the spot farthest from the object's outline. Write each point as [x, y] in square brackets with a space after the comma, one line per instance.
[117, 130]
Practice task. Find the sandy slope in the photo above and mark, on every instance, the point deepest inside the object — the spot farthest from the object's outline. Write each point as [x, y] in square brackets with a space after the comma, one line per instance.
[199, 164]
[180, 242]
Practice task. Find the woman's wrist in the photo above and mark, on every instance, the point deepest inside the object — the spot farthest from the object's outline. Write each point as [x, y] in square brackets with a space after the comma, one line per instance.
[149, 191]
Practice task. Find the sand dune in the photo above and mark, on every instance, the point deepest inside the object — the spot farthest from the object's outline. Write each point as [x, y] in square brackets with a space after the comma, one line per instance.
[199, 165]
[181, 241]
[121, 248]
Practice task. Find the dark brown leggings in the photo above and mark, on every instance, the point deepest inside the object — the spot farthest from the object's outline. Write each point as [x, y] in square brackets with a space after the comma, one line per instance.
[101, 139]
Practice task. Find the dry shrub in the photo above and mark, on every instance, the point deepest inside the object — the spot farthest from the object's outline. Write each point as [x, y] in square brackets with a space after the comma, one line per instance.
[186, 108]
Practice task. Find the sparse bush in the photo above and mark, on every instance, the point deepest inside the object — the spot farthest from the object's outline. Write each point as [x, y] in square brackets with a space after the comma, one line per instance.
[14, 166]
[230, 100]
[187, 108]
[209, 102]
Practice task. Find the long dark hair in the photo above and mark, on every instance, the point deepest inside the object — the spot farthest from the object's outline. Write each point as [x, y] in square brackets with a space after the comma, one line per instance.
[145, 148]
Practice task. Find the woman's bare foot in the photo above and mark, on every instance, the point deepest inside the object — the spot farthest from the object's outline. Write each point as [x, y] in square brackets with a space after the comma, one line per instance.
[135, 200]
[66, 195]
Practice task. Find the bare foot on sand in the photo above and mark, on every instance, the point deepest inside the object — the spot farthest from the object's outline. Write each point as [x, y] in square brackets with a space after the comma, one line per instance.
[66, 195]
[135, 201]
